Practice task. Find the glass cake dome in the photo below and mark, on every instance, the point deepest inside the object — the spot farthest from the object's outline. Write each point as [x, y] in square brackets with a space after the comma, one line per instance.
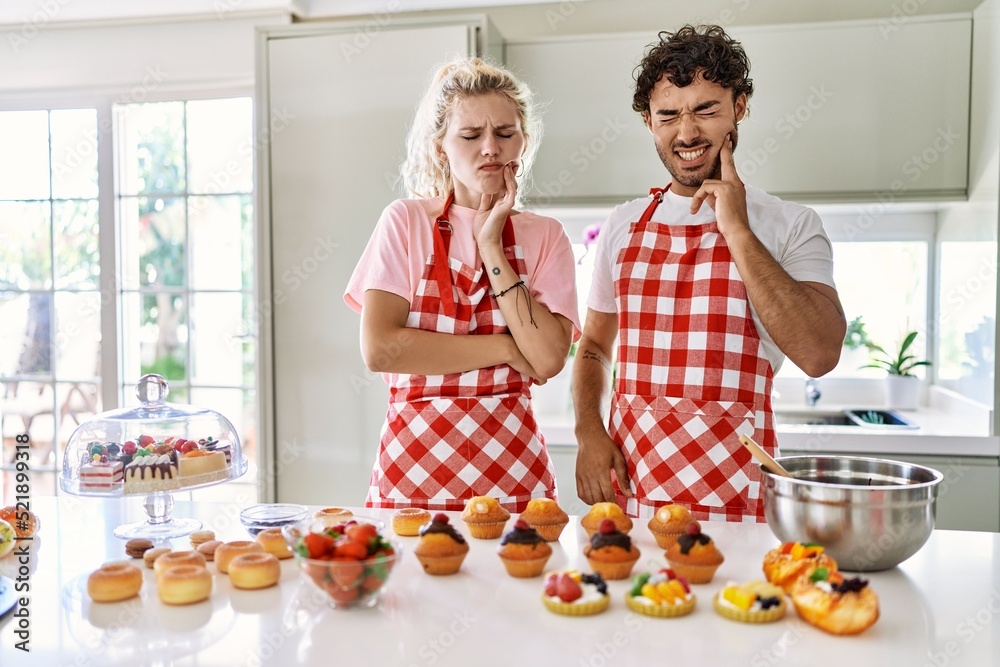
[152, 450]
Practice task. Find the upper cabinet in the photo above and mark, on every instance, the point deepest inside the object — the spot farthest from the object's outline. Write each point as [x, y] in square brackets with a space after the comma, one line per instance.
[841, 112]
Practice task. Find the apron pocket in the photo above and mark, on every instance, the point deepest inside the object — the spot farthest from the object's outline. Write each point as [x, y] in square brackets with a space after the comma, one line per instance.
[686, 451]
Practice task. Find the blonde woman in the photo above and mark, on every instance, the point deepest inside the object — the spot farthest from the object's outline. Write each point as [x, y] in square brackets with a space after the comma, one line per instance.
[465, 302]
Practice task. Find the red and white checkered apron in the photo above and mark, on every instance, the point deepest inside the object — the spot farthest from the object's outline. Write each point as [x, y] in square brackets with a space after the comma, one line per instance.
[448, 438]
[692, 374]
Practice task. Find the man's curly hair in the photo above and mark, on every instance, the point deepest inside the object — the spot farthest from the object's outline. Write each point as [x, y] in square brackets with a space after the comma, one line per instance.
[681, 55]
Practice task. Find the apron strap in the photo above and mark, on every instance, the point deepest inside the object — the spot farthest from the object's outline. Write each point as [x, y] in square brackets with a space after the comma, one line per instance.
[442, 242]
[657, 195]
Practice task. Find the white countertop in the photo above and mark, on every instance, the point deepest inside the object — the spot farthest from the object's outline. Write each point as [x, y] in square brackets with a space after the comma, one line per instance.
[942, 604]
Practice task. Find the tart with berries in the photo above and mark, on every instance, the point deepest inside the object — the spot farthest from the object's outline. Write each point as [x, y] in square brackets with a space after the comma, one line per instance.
[755, 602]
[663, 594]
[792, 562]
[834, 603]
[574, 594]
[611, 552]
[695, 555]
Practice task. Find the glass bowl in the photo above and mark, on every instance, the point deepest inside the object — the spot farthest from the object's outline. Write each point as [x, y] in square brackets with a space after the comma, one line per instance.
[347, 582]
[271, 515]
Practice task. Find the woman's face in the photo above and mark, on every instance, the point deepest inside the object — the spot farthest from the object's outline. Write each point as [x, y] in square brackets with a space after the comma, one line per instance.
[484, 134]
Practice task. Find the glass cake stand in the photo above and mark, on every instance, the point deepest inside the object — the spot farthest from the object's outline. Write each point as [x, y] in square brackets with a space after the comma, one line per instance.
[152, 450]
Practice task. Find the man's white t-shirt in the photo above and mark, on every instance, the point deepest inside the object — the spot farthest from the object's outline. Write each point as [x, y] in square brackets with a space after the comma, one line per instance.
[792, 233]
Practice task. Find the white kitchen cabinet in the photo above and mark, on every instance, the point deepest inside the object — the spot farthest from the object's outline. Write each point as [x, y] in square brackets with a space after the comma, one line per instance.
[969, 495]
[334, 103]
[841, 112]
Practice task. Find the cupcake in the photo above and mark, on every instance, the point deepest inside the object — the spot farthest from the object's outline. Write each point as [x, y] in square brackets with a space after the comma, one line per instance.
[591, 521]
[484, 517]
[668, 524]
[575, 594]
[440, 549]
[663, 594]
[611, 552]
[755, 602]
[695, 555]
[545, 516]
[793, 562]
[523, 551]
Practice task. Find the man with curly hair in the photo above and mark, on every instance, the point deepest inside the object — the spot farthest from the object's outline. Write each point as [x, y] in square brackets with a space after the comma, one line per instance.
[707, 286]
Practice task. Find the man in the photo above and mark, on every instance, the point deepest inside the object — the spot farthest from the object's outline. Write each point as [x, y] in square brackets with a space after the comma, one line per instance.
[707, 286]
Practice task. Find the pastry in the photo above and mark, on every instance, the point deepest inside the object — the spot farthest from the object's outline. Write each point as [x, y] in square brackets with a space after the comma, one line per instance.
[101, 474]
[755, 602]
[176, 559]
[331, 516]
[545, 516]
[186, 584]
[225, 553]
[254, 570]
[25, 523]
[406, 522]
[7, 538]
[199, 537]
[574, 594]
[146, 474]
[695, 556]
[668, 524]
[663, 594]
[792, 562]
[441, 549]
[611, 552]
[485, 517]
[274, 543]
[135, 548]
[591, 521]
[113, 582]
[149, 558]
[207, 549]
[212, 445]
[199, 466]
[524, 551]
[834, 604]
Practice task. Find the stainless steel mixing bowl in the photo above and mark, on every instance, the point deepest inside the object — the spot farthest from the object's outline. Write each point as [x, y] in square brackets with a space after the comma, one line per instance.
[869, 514]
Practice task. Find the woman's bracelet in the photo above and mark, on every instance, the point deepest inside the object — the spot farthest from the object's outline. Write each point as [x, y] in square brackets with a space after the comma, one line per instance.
[519, 283]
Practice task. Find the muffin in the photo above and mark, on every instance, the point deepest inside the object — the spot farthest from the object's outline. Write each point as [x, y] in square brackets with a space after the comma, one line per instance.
[668, 524]
[545, 516]
[591, 521]
[440, 549]
[524, 551]
[611, 552]
[755, 602]
[663, 594]
[484, 517]
[793, 562]
[695, 555]
[574, 594]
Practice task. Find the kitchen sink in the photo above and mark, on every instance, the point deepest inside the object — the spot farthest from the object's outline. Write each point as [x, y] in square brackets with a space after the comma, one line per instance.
[875, 419]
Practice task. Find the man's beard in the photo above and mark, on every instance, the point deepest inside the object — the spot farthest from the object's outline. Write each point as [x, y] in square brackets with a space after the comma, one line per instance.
[694, 180]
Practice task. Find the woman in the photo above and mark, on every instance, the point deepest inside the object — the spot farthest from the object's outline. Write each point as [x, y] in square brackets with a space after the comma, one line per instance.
[465, 302]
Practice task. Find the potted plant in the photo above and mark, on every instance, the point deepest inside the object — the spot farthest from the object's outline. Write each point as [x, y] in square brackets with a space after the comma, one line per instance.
[902, 386]
[857, 343]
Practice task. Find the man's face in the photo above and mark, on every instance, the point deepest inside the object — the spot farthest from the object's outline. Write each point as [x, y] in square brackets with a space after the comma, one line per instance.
[690, 126]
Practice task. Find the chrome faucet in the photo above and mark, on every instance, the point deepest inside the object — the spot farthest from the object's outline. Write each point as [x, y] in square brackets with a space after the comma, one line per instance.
[813, 394]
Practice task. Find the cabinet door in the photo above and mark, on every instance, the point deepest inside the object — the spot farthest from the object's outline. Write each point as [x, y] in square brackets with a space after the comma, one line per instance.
[969, 495]
[858, 111]
[337, 102]
[842, 112]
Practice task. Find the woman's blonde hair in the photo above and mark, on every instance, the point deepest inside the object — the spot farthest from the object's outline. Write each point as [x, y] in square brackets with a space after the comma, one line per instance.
[425, 171]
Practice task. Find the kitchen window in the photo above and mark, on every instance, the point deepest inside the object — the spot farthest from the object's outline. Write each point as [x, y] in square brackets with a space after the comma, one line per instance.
[183, 270]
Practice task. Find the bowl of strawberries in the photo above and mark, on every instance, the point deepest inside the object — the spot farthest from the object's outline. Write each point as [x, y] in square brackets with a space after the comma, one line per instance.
[350, 561]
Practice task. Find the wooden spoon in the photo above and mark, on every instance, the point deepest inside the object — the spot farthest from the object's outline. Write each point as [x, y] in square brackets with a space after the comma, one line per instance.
[766, 459]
